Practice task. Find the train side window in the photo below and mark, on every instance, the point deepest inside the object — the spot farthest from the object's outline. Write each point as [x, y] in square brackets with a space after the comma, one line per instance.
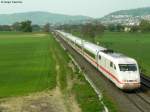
[111, 64]
[100, 57]
[114, 66]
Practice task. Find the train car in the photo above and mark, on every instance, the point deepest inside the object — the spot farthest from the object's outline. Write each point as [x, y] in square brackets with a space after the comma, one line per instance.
[123, 71]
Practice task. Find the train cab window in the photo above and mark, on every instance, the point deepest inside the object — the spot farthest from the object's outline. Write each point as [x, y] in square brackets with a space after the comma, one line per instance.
[100, 57]
[127, 67]
[111, 64]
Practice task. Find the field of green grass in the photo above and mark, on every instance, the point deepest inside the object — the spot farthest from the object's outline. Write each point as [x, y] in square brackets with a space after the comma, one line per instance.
[135, 45]
[28, 63]
[25, 64]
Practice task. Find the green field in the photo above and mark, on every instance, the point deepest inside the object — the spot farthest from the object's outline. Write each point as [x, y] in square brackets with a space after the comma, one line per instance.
[28, 63]
[25, 64]
[136, 45]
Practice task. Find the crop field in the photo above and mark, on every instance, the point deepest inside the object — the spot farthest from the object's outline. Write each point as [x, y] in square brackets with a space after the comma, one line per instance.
[136, 45]
[32, 62]
[25, 64]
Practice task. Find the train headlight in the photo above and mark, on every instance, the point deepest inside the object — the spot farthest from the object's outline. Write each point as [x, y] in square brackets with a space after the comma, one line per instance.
[130, 81]
[124, 80]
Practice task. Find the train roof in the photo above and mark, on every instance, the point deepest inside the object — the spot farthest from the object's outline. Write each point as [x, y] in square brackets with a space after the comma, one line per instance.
[93, 48]
[119, 58]
[117, 55]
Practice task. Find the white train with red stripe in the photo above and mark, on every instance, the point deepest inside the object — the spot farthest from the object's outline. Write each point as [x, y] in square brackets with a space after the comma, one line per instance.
[120, 69]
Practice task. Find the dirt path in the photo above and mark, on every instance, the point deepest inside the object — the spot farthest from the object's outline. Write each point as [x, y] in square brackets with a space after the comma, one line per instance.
[69, 99]
[47, 101]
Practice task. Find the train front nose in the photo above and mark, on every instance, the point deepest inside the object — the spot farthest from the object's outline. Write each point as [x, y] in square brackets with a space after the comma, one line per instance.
[131, 86]
[131, 80]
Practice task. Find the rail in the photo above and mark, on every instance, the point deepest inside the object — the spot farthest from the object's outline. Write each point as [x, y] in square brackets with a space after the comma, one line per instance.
[145, 80]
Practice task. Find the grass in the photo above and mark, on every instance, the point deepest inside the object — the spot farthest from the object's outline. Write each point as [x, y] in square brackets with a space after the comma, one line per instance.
[25, 64]
[135, 45]
[85, 95]
[62, 60]
[28, 64]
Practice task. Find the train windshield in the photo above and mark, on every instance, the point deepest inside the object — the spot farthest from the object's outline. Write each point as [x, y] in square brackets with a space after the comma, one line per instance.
[127, 67]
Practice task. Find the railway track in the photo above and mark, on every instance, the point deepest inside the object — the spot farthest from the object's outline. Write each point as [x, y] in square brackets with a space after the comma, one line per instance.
[136, 101]
[140, 102]
[145, 81]
[141, 97]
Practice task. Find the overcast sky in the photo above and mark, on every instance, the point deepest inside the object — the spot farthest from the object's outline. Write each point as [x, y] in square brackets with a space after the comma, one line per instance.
[93, 8]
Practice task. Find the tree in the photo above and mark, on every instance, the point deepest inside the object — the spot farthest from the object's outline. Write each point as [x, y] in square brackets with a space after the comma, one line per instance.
[119, 27]
[115, 27]
[36, 28]
[88, 30]
[111, 27]
[145, 26]
[26, 26]
[98, 29]
[16, 26]
[46, 27]
[92, 30]
[5, 28]
[134, 29]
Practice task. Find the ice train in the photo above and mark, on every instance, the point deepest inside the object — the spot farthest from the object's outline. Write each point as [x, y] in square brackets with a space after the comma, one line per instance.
[123, 71]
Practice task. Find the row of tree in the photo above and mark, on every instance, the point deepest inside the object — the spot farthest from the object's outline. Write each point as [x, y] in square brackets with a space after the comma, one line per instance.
[115, 27]
[25, 26]
[144, 26]
[93, 29]
[89, 29]
[5, 28]
[86, 30]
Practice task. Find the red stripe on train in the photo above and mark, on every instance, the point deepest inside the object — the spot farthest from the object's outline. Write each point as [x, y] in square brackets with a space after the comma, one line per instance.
[102, 68]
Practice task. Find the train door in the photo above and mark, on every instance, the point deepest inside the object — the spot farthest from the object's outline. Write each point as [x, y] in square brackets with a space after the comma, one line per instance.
[97, 59]
[100, 60]
[112, 67]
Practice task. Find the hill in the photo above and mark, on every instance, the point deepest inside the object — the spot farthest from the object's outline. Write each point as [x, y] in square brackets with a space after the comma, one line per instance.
[42, 18]
[128, 17]
[133, 12]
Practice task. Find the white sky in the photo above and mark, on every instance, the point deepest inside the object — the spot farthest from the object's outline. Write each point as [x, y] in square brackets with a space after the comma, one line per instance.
[93, 8]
